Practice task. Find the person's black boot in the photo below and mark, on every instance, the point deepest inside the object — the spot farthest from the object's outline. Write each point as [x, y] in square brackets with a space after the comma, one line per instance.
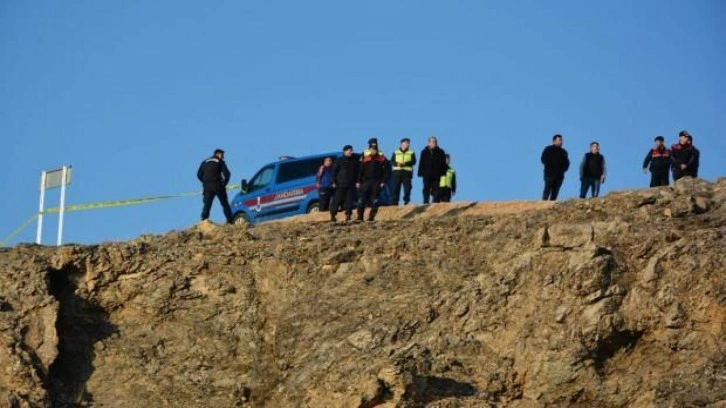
[372, 214]
[347, 217]
[332, 218]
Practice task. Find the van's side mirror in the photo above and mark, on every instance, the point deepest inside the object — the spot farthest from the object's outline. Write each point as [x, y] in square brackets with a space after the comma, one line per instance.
[244, 187]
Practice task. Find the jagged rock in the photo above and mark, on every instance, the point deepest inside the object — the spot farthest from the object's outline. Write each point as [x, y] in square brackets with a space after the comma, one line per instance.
[615, 302]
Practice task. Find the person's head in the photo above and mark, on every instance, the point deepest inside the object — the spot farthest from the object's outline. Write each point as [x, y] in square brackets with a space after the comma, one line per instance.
[557, 140]
[594, 147]
[683, 137]
[448, 158]
[659, 141]
[219, 153]
[373, 149]
[432, 142]
[405, 143]
[373, 142]
[328, 161]
[347, 150]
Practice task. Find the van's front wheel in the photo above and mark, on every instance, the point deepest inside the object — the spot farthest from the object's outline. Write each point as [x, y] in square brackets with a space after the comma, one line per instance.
[240, 218]
[313, 208]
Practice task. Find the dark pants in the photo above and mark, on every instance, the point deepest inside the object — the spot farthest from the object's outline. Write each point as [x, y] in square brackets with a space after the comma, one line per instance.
[589, 183]
[369, 197]
[659, 179]
[431, 189]
[344, 195]
[444, 194]
[679, 174]
[325, 195]
[402, 178]
[552, 187]
[219, 191]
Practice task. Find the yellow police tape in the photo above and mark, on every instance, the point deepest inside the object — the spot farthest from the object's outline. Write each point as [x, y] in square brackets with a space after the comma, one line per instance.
[103, 204]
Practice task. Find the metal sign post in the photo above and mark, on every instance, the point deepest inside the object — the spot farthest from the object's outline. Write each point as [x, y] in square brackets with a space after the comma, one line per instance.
[52, 179]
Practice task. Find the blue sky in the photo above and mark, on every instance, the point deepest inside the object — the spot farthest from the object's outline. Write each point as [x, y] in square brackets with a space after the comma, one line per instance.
[135, 94]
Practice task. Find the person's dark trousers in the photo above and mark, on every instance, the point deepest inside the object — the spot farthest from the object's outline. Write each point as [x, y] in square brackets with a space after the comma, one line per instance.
[368, 197]
[344, 196]
[444, 195]
[552, 187]
[402, 178]
[589, 183]
[325, 195]
[220, 192]
[431, 190]
[659, 179]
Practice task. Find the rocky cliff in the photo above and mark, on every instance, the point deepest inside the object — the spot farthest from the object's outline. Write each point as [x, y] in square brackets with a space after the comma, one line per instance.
[608, 302]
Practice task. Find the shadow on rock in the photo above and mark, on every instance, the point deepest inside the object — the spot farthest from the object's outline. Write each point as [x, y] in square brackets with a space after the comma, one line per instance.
[428, 389]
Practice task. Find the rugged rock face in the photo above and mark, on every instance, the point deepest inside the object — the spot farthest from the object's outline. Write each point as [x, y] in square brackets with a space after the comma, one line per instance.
[608, 303]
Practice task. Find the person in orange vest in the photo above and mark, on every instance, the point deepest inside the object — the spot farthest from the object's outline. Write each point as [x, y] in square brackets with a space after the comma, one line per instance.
[658, 161]
[371, 179]
[403, 160]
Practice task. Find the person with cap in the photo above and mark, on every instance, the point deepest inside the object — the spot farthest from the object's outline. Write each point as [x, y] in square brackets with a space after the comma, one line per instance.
[682, 157]
[371, 179]
[214, 175]
[556, 163]
[324, 183]
[592, 171]
[372, 142]
[447, 184]
[432, 166]
[658, 162]
[696, 158]
[403, 160]
[344, 177]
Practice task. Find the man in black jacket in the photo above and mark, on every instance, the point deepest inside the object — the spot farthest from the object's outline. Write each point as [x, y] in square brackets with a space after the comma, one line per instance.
[214, 175]
[658, 161]
[556, 163]
[592, 171]
[371, 179]
[432, 165]
[345, 176]
[683, 157]
[696, 157]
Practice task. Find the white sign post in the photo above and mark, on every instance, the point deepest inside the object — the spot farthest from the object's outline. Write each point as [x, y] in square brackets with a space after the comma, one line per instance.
[52, 179]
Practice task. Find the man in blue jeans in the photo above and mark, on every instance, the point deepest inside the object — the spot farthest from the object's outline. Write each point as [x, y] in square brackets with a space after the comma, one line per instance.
[592, 171]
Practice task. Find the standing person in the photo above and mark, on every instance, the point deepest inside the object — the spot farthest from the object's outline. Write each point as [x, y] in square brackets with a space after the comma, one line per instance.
[324, 182]
[682, 157]
[214, 175]
[447, 185]
[592, 171]
[432, 166]
[371, 179]
[696, 158]
[403, 160]
[556, 163]
[344, 176]
[658, 161]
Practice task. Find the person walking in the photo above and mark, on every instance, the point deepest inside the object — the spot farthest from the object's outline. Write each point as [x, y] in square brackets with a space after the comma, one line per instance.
[592, 171]
[658, 162]
[344, 177]
[447, 184]
[556, 163]
[214, 175]
[682, 157]
[371, 179]
[403, 160]
[324, 182]
[432, 166]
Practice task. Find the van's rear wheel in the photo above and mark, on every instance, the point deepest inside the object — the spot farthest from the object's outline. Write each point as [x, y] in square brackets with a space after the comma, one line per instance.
[240, 218]
[313, 208]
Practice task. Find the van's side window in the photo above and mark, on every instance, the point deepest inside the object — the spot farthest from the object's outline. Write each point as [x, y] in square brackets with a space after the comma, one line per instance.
[298, 169]
[262, 178]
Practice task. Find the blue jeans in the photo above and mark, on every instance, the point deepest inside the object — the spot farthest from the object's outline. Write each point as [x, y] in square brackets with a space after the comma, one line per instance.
[590, 183]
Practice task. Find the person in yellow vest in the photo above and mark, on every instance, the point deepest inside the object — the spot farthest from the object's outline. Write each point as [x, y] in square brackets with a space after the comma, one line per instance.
[372, 142]
[403, 160]
[447, 184]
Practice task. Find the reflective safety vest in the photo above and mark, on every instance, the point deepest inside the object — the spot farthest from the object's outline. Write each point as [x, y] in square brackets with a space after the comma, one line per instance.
[367, 153]
[447, 180]
[403, 157]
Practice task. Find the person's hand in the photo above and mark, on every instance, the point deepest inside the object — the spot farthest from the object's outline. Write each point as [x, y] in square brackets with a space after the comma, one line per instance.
[602, 180]
[645, 170]
[317, 185]
[333, 185]
[357, 185]
[683, 166]
[383, 184]
[399, 164]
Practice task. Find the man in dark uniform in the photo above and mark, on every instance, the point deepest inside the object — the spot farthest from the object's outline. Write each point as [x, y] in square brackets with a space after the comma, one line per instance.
[344, 175]
[658, 161]
[592, 171]
[696, 158]
[371, 179]
[214, 175]
[432, 165]
[556, 163]
[682, 157]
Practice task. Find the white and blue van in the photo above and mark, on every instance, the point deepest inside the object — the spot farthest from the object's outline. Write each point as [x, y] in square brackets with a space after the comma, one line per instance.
[285, 188]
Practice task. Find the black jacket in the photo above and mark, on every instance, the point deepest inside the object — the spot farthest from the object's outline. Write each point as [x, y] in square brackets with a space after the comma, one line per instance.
[555, 160]
[373, 168]
[345, 171]
[213, 172]
[592, 166]
[683, 154]
[432, 163]
[658, 160]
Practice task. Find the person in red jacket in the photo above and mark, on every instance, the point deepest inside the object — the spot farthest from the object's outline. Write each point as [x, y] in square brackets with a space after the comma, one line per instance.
[658, 162]
[371, 179]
